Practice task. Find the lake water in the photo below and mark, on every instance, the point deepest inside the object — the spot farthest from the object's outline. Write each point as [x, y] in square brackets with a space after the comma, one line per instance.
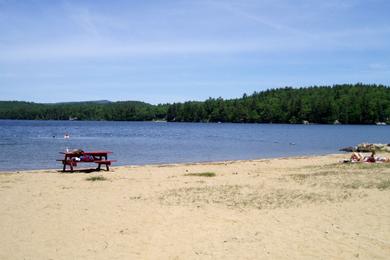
[36, 144]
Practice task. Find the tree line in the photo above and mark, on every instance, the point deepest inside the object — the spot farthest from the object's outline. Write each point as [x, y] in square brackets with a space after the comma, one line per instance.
[346, 104]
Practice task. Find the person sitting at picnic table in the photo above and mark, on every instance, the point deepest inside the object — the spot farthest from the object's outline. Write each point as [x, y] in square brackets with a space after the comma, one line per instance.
[79, 153]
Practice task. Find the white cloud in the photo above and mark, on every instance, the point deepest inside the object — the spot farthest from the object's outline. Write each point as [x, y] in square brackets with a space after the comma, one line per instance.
[85, 20]
[104, 35]
[90, 49]
[377, 66]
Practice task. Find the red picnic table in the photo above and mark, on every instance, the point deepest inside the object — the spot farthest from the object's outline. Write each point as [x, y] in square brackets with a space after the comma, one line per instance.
[75, 157]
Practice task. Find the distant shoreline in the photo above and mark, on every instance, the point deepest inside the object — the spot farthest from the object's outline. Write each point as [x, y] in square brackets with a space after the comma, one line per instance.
[175, 122]
[163, 165]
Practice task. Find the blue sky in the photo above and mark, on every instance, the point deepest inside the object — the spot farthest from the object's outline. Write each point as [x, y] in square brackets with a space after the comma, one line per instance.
[169, 51]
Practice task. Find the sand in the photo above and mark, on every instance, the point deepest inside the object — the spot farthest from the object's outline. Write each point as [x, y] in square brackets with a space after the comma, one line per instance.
[287, 208]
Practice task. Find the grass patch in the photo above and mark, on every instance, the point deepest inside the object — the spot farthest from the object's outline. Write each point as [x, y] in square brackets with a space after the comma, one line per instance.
[357, 184]
[201, 174]
[300, 177]
[246, 196]
[381, 185]
[96, 178]
[353, 178]
[364, 166]
[384, 185]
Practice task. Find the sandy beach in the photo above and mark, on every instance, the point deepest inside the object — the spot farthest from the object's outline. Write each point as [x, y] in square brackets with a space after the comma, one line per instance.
[286, 208]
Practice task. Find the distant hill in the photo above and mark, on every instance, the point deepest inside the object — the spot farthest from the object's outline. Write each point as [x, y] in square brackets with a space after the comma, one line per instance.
[345, 104]
[88, 110]
[78, 102]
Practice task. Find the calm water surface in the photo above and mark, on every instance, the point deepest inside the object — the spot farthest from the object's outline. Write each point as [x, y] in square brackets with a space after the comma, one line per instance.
[36, 144]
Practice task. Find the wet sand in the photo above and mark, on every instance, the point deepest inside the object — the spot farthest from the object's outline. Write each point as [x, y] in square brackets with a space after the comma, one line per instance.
[286, 208]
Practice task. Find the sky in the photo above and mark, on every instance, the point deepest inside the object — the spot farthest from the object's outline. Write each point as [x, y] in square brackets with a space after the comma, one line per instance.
[178, 50]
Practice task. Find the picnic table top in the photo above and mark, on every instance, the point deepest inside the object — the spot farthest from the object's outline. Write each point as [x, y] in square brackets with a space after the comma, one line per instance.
[87, 153]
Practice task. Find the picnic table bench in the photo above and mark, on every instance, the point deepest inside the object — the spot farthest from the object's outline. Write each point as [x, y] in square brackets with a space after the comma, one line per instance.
[98, 157]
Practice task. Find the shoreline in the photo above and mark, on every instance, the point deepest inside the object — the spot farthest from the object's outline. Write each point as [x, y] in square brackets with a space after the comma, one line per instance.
[284, 208]
[175, 164]
[376, 123]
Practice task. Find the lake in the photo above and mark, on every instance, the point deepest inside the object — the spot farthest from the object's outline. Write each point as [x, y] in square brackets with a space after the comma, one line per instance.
[28, 145]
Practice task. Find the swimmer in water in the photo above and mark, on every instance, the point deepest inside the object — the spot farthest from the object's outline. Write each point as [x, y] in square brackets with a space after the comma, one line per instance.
[66, 136]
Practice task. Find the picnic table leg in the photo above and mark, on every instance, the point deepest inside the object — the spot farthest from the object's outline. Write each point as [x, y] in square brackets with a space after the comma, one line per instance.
[64, 163]
[105, 158]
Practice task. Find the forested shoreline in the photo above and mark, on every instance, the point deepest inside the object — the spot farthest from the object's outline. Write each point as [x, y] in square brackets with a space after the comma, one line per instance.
[345, 104]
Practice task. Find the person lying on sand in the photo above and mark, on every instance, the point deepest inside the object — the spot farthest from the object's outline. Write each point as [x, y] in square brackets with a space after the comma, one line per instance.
[382, 159]
[370, 158]
[358, 157]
